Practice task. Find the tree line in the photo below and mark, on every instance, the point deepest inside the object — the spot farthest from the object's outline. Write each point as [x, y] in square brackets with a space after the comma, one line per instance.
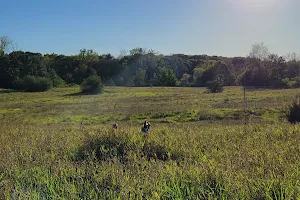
[141, 67]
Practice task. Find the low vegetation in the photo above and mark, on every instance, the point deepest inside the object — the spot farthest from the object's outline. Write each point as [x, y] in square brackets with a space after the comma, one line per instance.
[92, 85]
[214, 87]
[293, 112]
[35, 84]
[56, 145]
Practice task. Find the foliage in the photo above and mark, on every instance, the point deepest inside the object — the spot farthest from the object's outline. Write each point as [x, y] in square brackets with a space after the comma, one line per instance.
[266, 69]
[213, 70]
[142, 67]
[166, 77]
[214, 87]
[57, 81]
[110, 82]
[6, 44]
[139, 79]
[35, 84]
[204, 73]
[293, 113]
[92, 84]
[288, 83]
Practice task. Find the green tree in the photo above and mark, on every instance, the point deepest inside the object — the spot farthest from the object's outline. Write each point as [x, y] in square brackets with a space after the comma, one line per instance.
[5, 79]
[88, 55]
[138, 51]
[293, 68]
[6, 44]
[256, 72]
[56, 80]
[19, 64]
[276, 67]
[204, 73]
[166, 77]
[179, 63]
[139, 77]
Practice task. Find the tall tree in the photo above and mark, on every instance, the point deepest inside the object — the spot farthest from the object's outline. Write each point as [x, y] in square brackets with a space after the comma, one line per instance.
[139, 79]
[6, 44]
[259, 51]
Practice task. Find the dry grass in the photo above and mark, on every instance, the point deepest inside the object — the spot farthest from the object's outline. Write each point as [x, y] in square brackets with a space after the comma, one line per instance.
[199, 147]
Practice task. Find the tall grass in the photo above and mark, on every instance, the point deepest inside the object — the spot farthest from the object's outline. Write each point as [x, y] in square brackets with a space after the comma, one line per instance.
[185, 158]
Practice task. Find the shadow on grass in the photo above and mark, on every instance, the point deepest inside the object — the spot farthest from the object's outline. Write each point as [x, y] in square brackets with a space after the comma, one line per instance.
[118, 146]
[87, 94]
[7, 91]
[105, 148]
[79, 94]
[109, 91]
[158, 152]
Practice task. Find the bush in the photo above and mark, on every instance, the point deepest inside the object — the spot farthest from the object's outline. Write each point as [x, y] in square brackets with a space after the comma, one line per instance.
[92, 84]
[293, 114]
[297, 82]
[35, 84]
[214, 87]
[106, 148]
[288, 83]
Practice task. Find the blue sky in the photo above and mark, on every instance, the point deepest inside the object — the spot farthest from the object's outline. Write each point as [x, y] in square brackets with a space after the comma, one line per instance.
[213, 27]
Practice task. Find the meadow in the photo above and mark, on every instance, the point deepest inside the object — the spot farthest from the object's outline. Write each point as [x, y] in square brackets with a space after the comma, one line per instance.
[201, 145]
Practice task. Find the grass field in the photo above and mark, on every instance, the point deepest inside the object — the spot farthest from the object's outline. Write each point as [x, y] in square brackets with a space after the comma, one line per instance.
[201, 146]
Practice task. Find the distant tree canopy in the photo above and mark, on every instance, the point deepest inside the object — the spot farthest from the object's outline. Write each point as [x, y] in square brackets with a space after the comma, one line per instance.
[142, 67]
[166, 77]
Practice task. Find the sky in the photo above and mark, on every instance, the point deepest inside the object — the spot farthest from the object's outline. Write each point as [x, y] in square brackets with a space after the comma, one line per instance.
[212, 27]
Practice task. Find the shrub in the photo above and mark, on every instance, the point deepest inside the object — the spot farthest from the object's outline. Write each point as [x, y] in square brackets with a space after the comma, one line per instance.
[293, 113]
[297, 81]
[214, 87]
[288, 83]
[105, 148]
[35, 84]
[92, 84]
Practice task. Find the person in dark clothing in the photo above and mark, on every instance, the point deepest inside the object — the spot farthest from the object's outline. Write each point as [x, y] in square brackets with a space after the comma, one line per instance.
[146, 126]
